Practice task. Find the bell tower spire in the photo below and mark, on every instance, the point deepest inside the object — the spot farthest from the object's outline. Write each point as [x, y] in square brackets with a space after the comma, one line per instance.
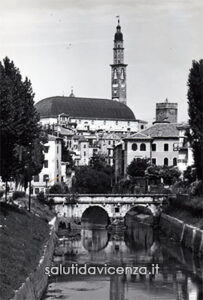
[118, 68]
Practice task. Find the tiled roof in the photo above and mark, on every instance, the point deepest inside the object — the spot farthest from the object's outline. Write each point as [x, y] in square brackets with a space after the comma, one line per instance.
[76, 107]
[110, 136]
[66, 131]
[158, 130]
[53, 137]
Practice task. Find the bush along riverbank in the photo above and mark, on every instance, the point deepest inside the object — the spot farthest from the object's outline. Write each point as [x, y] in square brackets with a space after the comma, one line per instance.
[26, 247]
[183, 222]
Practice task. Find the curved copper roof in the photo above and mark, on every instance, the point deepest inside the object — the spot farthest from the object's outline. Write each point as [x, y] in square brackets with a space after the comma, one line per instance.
[84, 108]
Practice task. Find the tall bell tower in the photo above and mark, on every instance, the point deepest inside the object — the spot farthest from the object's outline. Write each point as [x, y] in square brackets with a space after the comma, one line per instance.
[118, 68]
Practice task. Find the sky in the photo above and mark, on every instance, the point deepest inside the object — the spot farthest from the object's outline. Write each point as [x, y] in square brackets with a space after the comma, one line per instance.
[61, 44]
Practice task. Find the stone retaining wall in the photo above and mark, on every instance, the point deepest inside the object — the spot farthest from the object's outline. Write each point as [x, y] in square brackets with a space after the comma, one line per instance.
[189, 236]
[35, 284]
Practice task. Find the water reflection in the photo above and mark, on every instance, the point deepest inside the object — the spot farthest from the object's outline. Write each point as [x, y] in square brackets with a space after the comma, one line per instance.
[179, 277]
[94, 240]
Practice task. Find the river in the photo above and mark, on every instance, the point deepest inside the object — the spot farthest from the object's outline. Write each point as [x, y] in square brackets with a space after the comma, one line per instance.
[175, 272]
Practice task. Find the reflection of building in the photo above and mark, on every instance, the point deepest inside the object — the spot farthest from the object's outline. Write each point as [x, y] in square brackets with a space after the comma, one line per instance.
[117, 288]
[94, 240]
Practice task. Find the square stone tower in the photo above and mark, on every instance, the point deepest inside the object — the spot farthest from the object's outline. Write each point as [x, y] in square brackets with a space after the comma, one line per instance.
[167, 112]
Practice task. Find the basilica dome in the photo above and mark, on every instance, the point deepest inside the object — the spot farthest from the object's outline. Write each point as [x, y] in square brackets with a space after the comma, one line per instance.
[76, 107]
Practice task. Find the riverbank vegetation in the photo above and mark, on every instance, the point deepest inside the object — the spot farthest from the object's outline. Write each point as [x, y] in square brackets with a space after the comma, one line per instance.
[22, 237]
[187, 208]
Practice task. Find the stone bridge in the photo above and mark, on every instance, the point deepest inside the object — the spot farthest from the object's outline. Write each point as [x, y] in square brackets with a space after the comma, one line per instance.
[114, 205]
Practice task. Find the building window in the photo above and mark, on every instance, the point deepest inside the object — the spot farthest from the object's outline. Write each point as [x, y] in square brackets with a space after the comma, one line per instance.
[175, 147]
[153, 147]
[165, 161]
[57, 164]
[45, 177]
[154, 161]
[57, 149]
[117, 209]
[46, 149]
[36, 178]
[134, 146]
[84, 146]
[36, 191]
[165, 147]
[46, 164]
[142, 147]
[142, 126]
[175, 161]
[84, 153]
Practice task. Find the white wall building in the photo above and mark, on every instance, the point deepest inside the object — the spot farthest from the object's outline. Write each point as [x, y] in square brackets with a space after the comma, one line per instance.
[51, 172]
[185, 154]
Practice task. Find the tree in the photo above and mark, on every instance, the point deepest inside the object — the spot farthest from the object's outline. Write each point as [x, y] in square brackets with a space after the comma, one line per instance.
[137, 167]
[98, 161]
[195, 102]
[91, 181]
[154, 171]
[21, 141]
[169, 174]
[190, 174]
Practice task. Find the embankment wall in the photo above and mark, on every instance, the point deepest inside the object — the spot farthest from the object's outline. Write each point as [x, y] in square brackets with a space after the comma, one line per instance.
[189, 236]
[35, 284]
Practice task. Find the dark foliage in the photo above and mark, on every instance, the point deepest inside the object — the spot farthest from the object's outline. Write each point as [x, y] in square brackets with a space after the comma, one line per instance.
[18, 194]
[92, 181]
[21, 143]
[190, 174]
[58, 188]
[195, 101]
[137, 167]
[41, 197]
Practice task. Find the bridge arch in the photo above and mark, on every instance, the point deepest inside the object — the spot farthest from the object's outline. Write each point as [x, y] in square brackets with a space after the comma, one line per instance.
[95, 214]
[141, 208]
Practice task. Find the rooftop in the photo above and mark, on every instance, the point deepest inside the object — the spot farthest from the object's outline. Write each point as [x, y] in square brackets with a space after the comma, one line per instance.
[158, 130]
[77, 107]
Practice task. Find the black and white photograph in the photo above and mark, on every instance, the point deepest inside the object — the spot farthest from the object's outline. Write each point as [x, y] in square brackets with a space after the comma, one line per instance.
[101, 149]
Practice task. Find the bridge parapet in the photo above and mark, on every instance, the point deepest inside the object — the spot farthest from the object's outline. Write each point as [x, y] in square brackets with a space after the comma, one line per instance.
[116, 205]
[107, 198]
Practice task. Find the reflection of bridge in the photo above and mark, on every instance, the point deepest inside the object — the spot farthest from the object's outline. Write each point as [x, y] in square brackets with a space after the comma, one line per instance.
[115, 205]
